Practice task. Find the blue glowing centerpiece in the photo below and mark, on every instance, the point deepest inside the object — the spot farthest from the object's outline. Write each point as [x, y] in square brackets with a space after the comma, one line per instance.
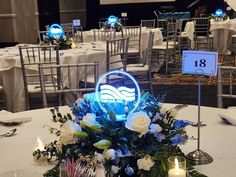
[117, 92]
[56, 30]
[219, 13]
[112, 20]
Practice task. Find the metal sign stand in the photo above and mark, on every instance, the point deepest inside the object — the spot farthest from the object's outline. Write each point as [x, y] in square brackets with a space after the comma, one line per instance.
[198, 156]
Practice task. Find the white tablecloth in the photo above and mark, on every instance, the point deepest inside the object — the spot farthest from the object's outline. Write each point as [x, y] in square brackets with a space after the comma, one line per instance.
[217, 139]
[189, 32]
[10, 69]
[222, 33]
[158, 38]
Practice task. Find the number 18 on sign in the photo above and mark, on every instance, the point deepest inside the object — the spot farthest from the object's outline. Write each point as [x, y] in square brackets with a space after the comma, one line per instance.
[200, 63]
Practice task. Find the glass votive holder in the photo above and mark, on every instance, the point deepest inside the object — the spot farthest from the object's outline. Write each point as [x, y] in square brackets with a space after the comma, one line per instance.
[177, 166]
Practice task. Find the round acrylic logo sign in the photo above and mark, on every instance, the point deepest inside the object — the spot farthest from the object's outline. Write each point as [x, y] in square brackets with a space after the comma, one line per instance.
[118, 92]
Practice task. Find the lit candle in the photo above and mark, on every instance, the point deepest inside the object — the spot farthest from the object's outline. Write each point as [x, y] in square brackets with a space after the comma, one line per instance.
[39, 149]
[73, 46]
[176, 171]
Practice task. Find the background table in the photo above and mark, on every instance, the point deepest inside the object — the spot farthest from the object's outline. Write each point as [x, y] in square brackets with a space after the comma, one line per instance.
[12, 79]
[217, 139]
[222, 33]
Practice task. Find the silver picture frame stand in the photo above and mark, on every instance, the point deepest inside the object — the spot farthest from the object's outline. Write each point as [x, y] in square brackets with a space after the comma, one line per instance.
[198, 156]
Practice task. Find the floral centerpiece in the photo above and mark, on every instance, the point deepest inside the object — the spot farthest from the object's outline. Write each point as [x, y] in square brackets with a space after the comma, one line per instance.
[219, 16]
[62, 42]
[56, 36]
[112, 22]
[92, 144]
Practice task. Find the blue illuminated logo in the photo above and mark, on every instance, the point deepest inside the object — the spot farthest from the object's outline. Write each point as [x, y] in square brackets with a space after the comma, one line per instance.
[112, 20]
[219, 13]
[112, 94]
[56, 30]
[118, 92]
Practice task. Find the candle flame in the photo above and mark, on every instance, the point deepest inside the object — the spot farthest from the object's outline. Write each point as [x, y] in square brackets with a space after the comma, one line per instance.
[176, 165]
[40, 144]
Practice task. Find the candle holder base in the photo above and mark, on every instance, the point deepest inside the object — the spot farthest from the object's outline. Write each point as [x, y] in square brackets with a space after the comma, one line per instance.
[199, 157]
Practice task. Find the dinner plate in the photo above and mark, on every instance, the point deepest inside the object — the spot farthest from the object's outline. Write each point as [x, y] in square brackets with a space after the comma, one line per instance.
[21, 173]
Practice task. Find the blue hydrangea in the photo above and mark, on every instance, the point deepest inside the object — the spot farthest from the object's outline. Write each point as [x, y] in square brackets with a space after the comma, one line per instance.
[180, 124]
[129, 171]
[178, 139]
[159, 136]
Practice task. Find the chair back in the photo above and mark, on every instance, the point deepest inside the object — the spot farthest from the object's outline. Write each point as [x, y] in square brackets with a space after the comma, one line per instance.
[148, 23]
[171, 34]
[149, 49]
[68, 29]
[66, 79]
[30, 58]
[42, 36]
[226, 78]
[77, 33]
[103, 35]
[202, 26]
[134, 34]
[116, 54]
[161, 23]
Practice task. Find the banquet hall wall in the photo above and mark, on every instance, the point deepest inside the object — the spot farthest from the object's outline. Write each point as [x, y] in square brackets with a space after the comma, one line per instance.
[21, 19]
[139, 11]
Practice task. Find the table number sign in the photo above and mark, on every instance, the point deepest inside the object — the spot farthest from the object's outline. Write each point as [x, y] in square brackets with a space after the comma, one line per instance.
[199, 63]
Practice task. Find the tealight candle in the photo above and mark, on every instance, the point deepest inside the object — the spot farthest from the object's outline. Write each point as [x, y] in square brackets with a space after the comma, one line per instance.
[73, 46]
[40, 149]
[177, 166]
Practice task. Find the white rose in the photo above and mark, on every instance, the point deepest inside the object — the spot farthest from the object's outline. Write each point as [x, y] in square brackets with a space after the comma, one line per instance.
[109, 154]
[145, 163]
[138, 122]
[90, 119]
[155, 128]
[114, 169]
[67, 132]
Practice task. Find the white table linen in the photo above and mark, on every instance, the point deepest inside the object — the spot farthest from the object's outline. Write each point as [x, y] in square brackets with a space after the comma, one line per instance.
[12, 79]
[189, 32]
[217, 139]
[222, 33]
[158, 38]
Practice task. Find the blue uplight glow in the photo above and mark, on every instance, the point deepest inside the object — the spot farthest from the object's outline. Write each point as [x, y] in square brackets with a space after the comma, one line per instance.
[56, 30]
[219, 13]
[121, 97]
[112, 20]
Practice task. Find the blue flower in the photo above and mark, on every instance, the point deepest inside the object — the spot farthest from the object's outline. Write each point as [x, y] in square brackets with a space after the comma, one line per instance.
[180, 124]
[178, 139]
[129, 171]
[159, 136]
[126, 151]
[118, 153]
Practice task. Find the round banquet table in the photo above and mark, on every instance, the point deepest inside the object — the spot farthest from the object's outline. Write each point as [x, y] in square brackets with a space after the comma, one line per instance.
[222, 33]
[11, 74]
[217, 139]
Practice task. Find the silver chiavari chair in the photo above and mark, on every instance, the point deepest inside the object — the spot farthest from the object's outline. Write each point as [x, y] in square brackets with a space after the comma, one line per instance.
[116, 54]
[30, 57]
[148, 23]
[226, 79]
[103, 35]
[134, 34]
[65, 80]
[142, 71]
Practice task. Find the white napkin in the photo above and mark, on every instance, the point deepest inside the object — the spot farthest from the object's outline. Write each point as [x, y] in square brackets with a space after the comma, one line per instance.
[6, 116]
[229, 116]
